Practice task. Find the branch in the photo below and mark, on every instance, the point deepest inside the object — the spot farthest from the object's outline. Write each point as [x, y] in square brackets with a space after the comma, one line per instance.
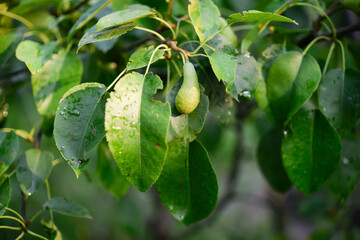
[340, 32]
[336, 6]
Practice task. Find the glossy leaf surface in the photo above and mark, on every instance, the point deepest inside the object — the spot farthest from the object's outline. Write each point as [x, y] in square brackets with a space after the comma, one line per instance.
[58, 75]
[9, 147]
[188, 185]
[34, 54]
[91, 36]
[288, 88]
[141, 57]
[122, 17]
[339, 98]
[311, 150]
[269, 159]
[204, 15]
[257, 16]
[345, 178]
[79, 123]
[67, 207]
[137, 127]
[33, 168]
[86, 16]
[239, 73]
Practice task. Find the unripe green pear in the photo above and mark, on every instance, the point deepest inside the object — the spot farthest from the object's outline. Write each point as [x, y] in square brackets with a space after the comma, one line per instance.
[188, 97]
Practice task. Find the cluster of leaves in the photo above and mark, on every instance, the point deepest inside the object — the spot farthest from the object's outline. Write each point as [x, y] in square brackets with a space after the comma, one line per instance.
[312, 111]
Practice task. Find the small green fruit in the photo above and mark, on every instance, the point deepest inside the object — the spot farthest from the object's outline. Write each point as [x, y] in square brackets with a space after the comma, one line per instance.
[188, 97]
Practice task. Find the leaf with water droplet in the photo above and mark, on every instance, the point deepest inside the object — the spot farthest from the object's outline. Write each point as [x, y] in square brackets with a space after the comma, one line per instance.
[34, 54]
[291, 81]
[81, 112]
[58, 75]
[33, 168]
[339, 98]
[239, 73]
[9, 147]
[345, 178]
[140, 160]
[312, 147]
[186, 125]
[188, 185]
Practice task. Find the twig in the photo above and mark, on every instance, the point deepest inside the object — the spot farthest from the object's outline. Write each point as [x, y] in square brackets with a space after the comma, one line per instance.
[37, 140]
[340, 32]
[317, 24]
[23, 212]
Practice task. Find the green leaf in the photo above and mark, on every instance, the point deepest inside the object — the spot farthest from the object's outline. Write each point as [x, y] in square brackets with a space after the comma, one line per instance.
[9, 147]
[109, 174]
[291, 81]
[345, 178]
[26, 6]
[58, 75]
[6, 40]
[33, 168]
[67, 207]
[239, 73]
[219, 44]
[205, 16]
[186, 125]
[249, 38]
[34, 54]
[137, 127]
[339, 98]
[51, 229]
[91, 36]
[6, 50]
[85, 17]
[311, 150]
[269, 159]
[221, 102]
[123, 17]
[257, 16]
[141, 57]
[79, 123]
[5, 195]
[188, 185]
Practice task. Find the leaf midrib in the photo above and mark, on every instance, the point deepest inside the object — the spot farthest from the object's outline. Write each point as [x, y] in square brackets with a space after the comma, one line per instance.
[87, 123]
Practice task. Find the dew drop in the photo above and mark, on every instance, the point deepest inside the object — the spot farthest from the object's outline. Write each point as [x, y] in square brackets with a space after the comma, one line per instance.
[126, 107]
[63, 147]
[116, 128]
[246, 94]
[346, 161]
[285, 133]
